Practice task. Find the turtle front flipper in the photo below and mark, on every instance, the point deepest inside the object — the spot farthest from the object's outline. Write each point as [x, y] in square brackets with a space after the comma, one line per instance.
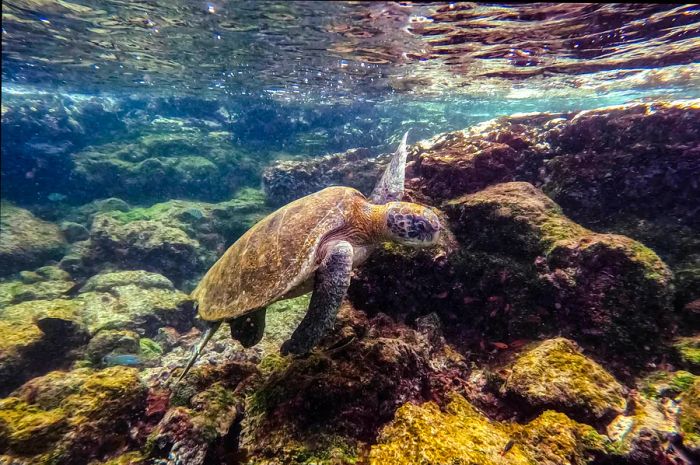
[330, 285]
[249, 329]
[390, 186]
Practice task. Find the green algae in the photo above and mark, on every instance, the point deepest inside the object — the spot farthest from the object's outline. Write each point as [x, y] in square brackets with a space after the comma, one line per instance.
[149, 349]
[104, 395]
[688, 349]
[555, 374]
[666, 384]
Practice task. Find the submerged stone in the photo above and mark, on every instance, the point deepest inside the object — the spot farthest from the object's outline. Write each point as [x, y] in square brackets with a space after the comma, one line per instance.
[461, 434]
[555, 375]
[26, 241]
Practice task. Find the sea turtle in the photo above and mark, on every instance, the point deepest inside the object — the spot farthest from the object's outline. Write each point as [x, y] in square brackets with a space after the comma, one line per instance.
[311, 243]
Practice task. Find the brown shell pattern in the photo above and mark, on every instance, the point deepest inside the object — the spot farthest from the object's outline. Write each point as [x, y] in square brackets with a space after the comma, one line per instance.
[274, 256]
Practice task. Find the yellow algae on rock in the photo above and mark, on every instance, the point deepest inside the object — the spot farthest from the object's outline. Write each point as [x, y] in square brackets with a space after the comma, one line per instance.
[425, 435]
[27, 429]
[422, 434]
[689, 418]
[554, 374]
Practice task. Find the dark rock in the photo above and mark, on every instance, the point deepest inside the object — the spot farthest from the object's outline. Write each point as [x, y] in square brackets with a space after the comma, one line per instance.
[74, 232]
[26, 241]
[521, 268]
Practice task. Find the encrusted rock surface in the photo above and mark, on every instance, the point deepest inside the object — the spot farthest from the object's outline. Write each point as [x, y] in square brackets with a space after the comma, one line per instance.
[519, 268]
[554, 374]
[25, 240]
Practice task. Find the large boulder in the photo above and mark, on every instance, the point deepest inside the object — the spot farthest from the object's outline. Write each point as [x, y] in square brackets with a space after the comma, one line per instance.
[555, 375]
[518, 267]
[72, 417]
[197, 164]
[179, 239]
[628, 169]
[26, 241]
[286, 180]
[462, 434]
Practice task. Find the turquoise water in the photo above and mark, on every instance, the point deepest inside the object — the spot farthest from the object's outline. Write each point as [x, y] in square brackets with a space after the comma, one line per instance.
[556, 148]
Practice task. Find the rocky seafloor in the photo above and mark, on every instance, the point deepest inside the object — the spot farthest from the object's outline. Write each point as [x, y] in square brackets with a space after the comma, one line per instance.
[557, 323]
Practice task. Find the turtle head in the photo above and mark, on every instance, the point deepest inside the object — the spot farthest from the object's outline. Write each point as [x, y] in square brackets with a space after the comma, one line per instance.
[411, 224]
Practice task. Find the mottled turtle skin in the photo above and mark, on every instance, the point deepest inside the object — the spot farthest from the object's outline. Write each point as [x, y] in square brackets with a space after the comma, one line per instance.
[280, 254]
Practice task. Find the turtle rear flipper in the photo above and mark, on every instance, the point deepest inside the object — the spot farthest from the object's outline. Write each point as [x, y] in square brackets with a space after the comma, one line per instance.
[212, 326]
[330, 286]
[249, 329]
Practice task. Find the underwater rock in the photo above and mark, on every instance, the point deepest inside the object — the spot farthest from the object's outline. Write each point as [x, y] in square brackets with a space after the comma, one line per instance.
[26, 241]
[74, 232]
[284, 181]
[104, 282]
[689, 418]
[74, 417]
[48, 282]
[150, 245]
[179, 239]
[555, 375]
[332, 402]
[517, 268]
[628, 170]
[85, 213]
[688, 351]
[461, 434]
[639, 435]
[197, 164]
[112, 341]
[136, 301]
[33, 329]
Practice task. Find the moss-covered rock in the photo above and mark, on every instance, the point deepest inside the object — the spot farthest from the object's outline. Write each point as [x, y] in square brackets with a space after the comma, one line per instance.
[49, 282]
[143, 309]
[461, 434]
[32, 330]
[115, 301]
[554, 374]
[105, 282]
[689, 418]
[29, 430]
[179, 239]
[639, 434]
[112, 341]
[74, 417]
[196, 163]
[26, 241]
[688, 352]
[517, 267]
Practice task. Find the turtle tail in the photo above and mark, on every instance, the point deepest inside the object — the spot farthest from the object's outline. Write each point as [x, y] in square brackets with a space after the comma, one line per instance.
[197, 350]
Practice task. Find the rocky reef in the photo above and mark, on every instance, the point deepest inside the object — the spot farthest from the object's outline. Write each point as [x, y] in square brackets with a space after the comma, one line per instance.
[556, 323]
